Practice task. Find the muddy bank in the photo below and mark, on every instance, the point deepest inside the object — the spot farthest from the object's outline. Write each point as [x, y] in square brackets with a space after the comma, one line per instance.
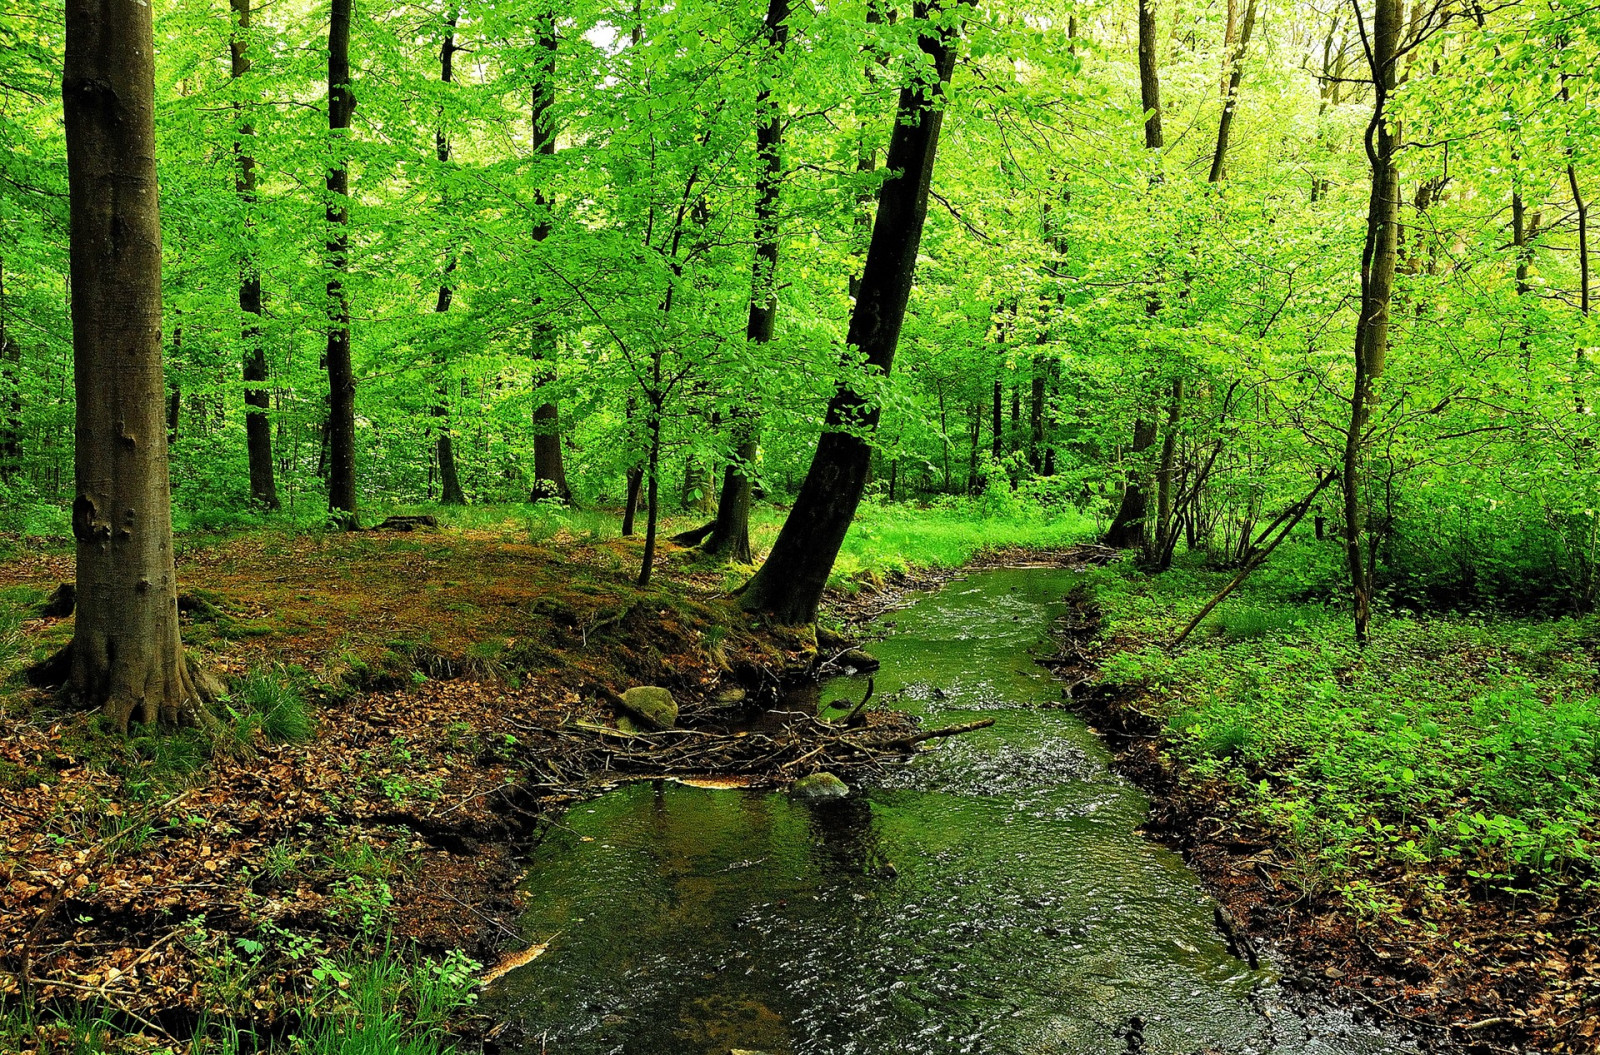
[1483, 986]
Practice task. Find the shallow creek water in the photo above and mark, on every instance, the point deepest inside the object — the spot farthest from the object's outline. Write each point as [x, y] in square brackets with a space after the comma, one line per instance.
[992, 897]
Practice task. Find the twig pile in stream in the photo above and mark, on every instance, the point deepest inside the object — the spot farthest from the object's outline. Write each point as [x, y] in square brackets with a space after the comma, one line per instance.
[789, 745]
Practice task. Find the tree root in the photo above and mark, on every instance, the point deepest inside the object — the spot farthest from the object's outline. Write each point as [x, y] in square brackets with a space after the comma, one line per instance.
[694, 537]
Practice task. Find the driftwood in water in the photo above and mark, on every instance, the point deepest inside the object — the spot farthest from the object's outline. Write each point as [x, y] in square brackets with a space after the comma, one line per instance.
[949, 730]
[574, 754]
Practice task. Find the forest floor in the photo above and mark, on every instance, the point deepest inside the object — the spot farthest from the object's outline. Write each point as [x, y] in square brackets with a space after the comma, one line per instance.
[408, 709]
[1410, 824]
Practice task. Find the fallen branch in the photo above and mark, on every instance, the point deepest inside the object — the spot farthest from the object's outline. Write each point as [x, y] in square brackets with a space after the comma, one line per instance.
[907, 742]
[1258, 554]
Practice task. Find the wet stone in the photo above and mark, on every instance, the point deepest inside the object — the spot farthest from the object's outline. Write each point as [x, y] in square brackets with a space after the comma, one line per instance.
[820, 787]
[651, 707]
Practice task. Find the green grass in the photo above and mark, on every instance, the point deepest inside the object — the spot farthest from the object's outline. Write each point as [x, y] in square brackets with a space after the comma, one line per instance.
[273, 704]
[901, 538]
[1447, 747]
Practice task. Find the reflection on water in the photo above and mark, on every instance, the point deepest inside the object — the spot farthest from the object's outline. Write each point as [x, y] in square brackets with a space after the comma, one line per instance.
[990, 898]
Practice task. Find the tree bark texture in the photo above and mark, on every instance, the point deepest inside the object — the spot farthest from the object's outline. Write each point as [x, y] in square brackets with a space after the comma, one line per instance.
[1149, 80]
[257, 429]
[125, 654]
[1230, 101]
[1377, 288]
[549, 465]
[1127, 527]
[789, 586]
[450, 492]
[730, 537]
[341, 372]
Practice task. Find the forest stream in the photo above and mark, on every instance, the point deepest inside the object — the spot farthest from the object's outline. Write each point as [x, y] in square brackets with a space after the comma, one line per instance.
[995, 896]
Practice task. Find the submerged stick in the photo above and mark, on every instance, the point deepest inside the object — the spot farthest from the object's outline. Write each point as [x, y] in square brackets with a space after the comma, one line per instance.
[949, 730]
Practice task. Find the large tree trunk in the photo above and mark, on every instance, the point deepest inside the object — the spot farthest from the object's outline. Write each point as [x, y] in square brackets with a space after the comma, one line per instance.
[450, 492]
[1377, 287]
[341, 373]
[549, 467]
[789, 586]
[257, 429]
[1583, 279]
[730, 537]
[125, 654]
[1127, 527]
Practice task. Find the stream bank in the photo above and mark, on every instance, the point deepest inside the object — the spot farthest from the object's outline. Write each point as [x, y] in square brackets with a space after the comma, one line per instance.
[995, 895]
[408, 711]
[1492, 975]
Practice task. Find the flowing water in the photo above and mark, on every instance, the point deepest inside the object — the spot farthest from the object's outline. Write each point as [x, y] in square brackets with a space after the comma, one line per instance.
[992, 897]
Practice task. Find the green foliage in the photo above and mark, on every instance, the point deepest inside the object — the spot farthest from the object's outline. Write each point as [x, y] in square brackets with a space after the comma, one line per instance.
[1444, 739]
[894, 538]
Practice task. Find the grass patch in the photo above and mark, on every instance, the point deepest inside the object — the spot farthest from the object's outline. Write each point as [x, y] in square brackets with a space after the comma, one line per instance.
[886, 539]
[272, 704]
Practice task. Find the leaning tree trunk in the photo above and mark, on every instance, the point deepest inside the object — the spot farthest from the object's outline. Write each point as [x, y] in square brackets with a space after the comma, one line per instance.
[730, 535]
[1230, 101]
[1377, 287]
[789, 586]
[257, 429]
[341, 373]
[444, 445]
[549, 468]
[125, 654]
[1127, 527]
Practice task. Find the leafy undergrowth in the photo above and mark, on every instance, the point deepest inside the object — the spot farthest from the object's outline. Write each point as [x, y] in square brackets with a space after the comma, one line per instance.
[389, 693]
[1434, 798]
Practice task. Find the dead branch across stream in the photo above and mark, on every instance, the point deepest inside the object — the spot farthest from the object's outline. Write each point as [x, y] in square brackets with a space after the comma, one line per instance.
[576, 753]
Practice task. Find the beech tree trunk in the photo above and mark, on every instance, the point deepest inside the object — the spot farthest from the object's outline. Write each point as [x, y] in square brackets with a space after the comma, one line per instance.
[1230, 101]
[1165, 528]
[341, 373]
[11, 392]
[1582, 209]
[1127, 527]
[789, 586]
[257, 429]
[549, 467]
[125, 654]
[1377, 287]
[730, 536]
[450, 492]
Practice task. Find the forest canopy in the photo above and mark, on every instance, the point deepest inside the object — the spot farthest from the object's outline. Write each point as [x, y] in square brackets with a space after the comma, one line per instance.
[567, 236]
